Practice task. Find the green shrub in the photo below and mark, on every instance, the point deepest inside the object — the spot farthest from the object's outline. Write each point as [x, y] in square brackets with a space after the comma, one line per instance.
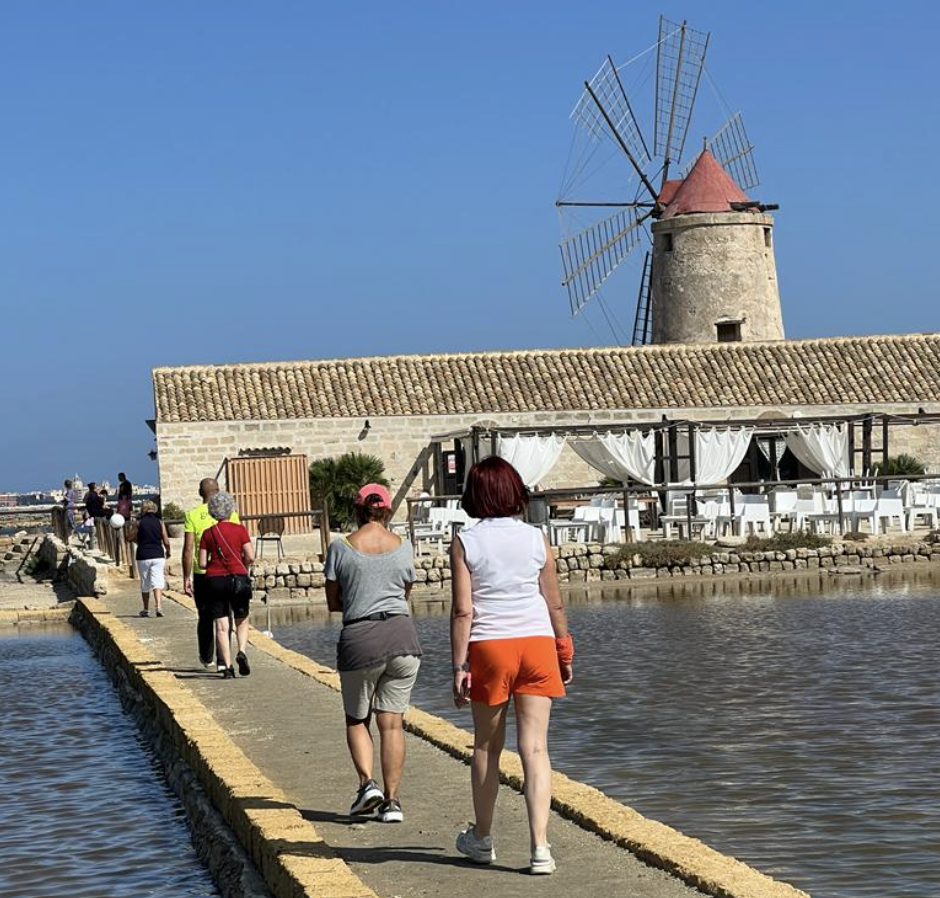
[898, 465]
[337, 480]
[664, 553]
[855, 536]
[172, 512]
[781, 542]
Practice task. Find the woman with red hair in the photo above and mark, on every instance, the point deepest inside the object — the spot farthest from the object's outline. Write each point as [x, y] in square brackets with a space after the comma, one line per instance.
[509, 639]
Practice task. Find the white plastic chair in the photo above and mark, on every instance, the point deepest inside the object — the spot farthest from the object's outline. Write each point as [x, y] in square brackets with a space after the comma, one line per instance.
[890, 508]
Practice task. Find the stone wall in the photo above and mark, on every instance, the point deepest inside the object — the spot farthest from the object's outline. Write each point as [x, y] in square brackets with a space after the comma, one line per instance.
[594, 563]
[85, 574]
[188, 452]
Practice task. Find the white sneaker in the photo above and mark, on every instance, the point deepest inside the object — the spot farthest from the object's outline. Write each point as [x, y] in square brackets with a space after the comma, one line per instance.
[478, 848]
[542, 860]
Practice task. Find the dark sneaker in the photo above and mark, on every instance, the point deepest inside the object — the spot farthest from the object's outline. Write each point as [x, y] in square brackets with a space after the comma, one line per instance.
[228, 673]
[390, 811]
[368, 798]
[241, 659]
[159, 613]
[478, 848]
[143, 613]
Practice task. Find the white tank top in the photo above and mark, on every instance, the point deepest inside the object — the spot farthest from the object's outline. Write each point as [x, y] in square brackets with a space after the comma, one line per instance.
[505, 557]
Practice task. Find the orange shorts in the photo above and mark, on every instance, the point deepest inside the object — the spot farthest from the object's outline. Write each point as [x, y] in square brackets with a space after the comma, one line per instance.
[500, 668]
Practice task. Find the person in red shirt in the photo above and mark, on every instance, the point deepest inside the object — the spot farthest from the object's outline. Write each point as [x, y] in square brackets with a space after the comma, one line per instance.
[225, 553]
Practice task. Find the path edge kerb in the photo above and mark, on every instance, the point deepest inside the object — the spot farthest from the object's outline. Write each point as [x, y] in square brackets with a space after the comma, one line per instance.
[288, 851]
[656, 844]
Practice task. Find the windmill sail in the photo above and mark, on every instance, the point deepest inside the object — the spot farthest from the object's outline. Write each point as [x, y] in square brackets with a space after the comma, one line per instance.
[731, 147]
[606, 93]
[680, 57]
[589, 257]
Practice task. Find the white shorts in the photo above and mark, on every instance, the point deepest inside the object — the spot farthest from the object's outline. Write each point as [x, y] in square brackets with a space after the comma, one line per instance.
[151, 574]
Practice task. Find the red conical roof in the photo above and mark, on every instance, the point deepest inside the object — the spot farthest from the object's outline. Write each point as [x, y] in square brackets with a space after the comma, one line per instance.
[707, 188]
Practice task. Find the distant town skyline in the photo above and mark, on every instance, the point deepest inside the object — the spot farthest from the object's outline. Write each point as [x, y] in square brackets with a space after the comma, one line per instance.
[201, 184]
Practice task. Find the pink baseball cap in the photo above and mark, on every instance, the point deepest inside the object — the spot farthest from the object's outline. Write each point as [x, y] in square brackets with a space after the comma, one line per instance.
[374, 489]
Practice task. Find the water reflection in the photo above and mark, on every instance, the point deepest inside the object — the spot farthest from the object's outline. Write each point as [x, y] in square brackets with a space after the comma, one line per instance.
[84, 811]
[792, 722]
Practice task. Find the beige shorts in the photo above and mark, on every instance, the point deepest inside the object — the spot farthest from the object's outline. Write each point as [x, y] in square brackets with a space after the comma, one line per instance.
[382, 687]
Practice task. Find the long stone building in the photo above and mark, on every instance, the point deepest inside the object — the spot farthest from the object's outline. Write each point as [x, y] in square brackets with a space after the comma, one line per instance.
[395, 407]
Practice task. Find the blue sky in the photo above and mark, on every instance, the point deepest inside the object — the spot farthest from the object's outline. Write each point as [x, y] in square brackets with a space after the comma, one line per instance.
[215, 182]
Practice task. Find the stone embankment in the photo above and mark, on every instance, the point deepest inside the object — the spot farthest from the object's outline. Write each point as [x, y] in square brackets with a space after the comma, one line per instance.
[595, 563]
[85, 572]
[17, 552]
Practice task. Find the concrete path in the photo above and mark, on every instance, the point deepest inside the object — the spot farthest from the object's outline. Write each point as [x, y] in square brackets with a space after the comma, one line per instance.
[291, 727]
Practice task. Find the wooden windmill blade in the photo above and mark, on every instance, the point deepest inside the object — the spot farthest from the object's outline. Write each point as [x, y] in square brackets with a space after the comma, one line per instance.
[734, 151]
[604, 111]
[680, 58]
[591, 256]
[605, 91]
[731, 147]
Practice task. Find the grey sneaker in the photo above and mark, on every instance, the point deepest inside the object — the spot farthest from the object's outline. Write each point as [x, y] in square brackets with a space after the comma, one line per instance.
[367, 799]
[542, 860]
[478, 848]
[390, 811]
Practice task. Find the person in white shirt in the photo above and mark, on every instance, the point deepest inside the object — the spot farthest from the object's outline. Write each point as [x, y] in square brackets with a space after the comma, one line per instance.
[509, 639]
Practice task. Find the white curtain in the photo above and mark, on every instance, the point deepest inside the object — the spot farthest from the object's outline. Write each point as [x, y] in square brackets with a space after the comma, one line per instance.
[718, 451]
[823, 448]
[621, 455]
[532, 456]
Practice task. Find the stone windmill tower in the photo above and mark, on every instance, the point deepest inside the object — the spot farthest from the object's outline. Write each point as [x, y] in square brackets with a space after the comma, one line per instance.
[710, 274]
[713, 275]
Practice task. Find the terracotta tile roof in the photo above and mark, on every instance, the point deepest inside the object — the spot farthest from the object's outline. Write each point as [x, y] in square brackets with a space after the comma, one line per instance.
[844, 370]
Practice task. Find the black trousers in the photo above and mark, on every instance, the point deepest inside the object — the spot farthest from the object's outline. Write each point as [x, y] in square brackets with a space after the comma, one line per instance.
[205, 625]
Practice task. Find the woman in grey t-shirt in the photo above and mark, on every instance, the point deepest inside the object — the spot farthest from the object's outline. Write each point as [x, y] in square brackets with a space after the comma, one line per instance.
[369, 575]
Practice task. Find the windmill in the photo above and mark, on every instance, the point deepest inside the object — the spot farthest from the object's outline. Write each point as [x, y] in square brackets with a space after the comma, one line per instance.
[606, 119]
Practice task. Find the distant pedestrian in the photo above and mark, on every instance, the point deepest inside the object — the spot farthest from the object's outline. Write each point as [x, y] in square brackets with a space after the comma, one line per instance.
[106, 509]
[125, 497]
[153, 549]
[86, 531]
[509, 638]
[225, 553]
[68, 502]
[197, 521]
[369, 575]
[94, 504]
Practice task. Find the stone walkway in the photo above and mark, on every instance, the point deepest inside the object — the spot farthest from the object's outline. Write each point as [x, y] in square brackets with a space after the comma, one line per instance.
[34, 594]
[291, 727]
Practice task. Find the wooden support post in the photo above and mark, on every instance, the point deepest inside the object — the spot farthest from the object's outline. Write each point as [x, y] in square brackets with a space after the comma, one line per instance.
[628, 533]
[866, 445]
[325, 528]
[840, 505]
[884, 444]
[411, 523]
[673, 454]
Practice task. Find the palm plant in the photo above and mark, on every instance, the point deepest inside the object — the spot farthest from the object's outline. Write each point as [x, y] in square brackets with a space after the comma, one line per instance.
[898, 465]
[335, 482]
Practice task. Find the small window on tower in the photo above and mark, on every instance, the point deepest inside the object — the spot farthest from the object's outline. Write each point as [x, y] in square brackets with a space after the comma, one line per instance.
[768, 240]
[728, 331]
[665, 242]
